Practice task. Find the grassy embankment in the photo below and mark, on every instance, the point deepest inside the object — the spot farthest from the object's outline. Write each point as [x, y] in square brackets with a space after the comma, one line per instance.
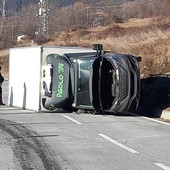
[148, 38]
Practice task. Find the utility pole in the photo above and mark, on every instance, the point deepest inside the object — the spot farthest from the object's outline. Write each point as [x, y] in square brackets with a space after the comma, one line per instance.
[3, 10]
[3, 19]
[43, 17]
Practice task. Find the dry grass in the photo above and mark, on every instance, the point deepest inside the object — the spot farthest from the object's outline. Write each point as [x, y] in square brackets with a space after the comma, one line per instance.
[148, 38]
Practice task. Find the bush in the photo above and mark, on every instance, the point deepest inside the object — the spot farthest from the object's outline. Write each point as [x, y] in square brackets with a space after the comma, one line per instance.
[40, 39]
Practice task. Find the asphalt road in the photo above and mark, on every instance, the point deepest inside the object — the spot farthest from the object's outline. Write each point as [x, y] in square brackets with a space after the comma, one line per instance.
[54, 141]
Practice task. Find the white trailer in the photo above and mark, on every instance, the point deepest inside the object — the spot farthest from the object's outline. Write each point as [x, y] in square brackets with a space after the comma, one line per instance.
[26, 73]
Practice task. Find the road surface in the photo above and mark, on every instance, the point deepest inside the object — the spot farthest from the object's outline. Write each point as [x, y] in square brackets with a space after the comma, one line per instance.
[70, 141]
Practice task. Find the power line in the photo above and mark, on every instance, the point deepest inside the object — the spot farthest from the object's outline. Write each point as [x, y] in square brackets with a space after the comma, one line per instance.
[131, 3]
[91, 11]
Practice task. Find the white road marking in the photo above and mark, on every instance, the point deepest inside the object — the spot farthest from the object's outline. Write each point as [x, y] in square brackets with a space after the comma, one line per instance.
[73, 120]
[154, 120]
[117, 143]
[162, 166]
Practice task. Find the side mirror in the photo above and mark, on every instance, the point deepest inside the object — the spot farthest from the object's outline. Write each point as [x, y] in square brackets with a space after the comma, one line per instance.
[139, 59]
[98, 48]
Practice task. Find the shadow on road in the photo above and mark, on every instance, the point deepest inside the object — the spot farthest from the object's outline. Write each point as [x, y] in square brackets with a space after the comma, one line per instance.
[155, 95]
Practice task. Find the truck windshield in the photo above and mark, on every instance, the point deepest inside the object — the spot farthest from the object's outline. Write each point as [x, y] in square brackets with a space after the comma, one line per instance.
[84, 67]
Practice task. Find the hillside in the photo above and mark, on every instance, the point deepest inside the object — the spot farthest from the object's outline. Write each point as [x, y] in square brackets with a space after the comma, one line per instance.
[148, 38]
[17, 5]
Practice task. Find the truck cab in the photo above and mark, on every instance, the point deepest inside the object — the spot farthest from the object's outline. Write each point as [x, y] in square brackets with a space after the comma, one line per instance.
[99, 81]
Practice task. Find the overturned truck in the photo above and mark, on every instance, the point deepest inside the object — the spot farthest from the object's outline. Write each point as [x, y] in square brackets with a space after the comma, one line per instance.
[97, 80]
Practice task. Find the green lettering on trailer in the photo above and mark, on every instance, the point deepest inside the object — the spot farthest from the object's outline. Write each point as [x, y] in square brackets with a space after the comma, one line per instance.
[60, 81]
[52, 107]
[61, 68]
[56, 55]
